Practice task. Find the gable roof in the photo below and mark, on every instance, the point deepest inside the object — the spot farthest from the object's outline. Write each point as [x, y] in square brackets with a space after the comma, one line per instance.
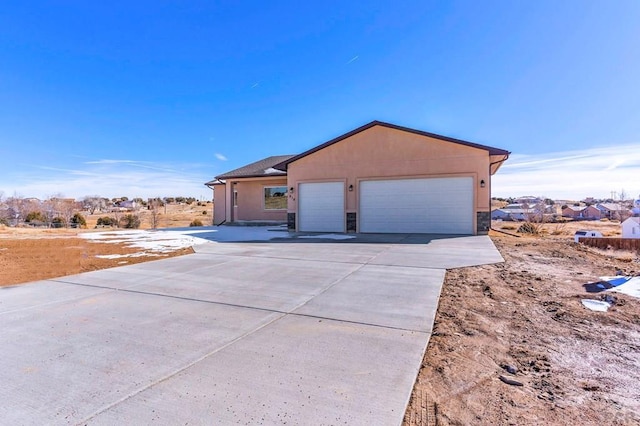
[260, 168]
[576, 208]
[610, 207]
[492, 151]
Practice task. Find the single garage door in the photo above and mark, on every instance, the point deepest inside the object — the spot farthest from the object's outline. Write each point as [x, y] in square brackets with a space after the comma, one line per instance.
[431, 206]
[321, 207]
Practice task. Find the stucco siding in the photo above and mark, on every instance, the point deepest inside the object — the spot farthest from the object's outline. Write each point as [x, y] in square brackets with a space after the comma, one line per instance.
[219, 204]
[382, 153]
[251, 200]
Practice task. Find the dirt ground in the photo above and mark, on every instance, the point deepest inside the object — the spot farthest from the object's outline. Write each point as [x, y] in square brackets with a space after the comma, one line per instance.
[576, 366]
[37, 254]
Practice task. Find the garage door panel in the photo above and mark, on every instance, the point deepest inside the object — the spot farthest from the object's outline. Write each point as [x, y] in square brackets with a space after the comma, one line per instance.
[434, 205]
[321, 207]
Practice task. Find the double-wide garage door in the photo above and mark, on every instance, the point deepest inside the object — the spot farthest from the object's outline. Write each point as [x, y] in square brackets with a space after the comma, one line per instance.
[431, 206]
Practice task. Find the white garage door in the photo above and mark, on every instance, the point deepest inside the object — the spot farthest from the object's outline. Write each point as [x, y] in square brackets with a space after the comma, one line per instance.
[321, 207]
[432, 206]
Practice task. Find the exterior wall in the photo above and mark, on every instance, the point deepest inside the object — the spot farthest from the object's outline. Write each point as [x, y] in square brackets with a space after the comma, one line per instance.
[385, 153]
[575, 214]
[588, 213]
[631, 228]
[592, 213]
[219, 204]
[251, 200]
[500, 214]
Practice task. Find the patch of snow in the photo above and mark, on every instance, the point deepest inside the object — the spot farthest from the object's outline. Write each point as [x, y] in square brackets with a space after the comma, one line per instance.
[329, 236]
[272, 171]
[148, 242]
[596, 305]
[120, 256]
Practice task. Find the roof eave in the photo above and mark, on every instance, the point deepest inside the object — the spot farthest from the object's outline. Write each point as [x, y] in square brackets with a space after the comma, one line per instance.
[251, 176]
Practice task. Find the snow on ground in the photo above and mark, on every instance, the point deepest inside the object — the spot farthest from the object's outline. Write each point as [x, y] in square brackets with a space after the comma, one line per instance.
[149, 242]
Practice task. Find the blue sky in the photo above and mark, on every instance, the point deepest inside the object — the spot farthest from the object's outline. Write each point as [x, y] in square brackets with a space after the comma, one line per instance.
[154, 98]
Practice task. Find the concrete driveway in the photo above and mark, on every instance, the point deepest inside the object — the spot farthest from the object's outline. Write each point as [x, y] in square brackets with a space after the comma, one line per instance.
[295, 331]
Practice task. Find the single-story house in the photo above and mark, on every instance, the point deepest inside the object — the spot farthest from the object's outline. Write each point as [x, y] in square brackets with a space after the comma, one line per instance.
[514, 214]
[582, 212]
[612, 210]
[377, 178]
[631, 227]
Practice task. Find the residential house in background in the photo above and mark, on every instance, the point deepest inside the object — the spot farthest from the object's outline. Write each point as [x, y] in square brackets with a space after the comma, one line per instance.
[582, 212]
[613, 211]
[515, 212]
[377, 178]
[631, 227]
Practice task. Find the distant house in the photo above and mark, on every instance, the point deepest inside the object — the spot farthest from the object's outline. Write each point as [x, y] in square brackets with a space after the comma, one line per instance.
[514, 214]
[574, 212]
[631, 227]
[582, 212]
[128, 205]
[529, 200]
[613, 210]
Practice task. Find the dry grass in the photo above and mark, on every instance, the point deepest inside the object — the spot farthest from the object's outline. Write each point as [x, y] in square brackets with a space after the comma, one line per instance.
[170, 216]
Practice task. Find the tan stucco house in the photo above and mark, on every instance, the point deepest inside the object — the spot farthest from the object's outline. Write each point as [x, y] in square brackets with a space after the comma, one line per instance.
[377, 178]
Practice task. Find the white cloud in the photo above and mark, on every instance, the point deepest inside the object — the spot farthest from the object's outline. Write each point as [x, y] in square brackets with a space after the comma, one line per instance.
[571, 174]
[220, 157]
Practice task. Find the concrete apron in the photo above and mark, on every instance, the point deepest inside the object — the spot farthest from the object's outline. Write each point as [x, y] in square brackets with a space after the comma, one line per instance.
[249, 333]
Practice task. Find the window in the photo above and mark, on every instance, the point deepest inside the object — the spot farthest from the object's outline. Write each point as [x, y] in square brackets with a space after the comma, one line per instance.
[275, 197]
[235, 198]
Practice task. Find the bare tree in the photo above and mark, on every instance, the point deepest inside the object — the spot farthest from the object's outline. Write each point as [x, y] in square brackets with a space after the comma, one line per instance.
[16, 209]
[623, 195]
[94, 203]
[154, 205]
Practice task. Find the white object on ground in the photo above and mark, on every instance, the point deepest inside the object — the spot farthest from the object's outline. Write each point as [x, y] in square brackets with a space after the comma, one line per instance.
[596, 305]
[631, 287]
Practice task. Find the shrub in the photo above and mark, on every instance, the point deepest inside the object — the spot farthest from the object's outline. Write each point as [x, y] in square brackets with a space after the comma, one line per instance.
[35, 216]
[105, 221]
[529, 228]
[58, 222]
[204, 212]
[78, 221]
[196, 222]
[130, 221]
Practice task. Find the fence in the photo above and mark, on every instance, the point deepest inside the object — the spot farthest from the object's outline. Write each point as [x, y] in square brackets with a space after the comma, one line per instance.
[632, 244]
